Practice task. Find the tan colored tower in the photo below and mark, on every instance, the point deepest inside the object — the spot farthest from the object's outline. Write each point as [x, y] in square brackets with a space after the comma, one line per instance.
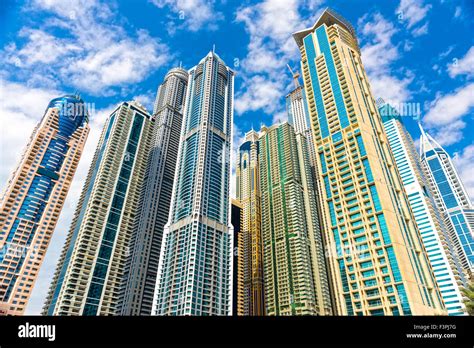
[377, 261]
[35, 194]
[250, 265]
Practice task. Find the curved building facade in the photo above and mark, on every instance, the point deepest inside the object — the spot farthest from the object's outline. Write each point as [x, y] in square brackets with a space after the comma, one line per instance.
[35, 194]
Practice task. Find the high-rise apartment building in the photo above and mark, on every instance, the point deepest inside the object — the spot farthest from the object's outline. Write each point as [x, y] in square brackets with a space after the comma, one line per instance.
[294, 271]
[195, 267]
[451, 198]
[90, 271]
[32, 201]
[298, 116]
[237, 277]
[250, 280]
[377, 261]
[142, 264]
[441, 252]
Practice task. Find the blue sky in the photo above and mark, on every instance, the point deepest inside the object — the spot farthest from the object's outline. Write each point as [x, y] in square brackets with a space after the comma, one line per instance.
[110, 51]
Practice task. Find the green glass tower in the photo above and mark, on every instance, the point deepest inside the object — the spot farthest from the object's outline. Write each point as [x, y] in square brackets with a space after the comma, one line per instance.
[295, 274]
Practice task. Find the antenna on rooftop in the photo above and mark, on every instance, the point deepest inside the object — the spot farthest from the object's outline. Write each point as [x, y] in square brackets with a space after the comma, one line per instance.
[295, 75]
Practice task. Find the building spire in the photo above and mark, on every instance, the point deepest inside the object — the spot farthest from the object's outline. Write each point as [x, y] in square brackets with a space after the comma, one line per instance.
[427, 142]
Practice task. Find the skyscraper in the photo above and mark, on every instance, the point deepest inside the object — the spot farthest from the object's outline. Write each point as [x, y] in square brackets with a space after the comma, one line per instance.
[195, 268]
[90, 270]
[451, 198]
[293, 256]
[34, 197]
[377, 262]
[298, 116]
[237, 278]
[142, 264]
[434, 233]
[250, 281]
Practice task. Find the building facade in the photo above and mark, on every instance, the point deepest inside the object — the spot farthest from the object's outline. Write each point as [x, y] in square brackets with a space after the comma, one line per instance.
[298, 117]
[142, 264]
[441, 252]
[33, 199]
[90, 271]
[294, 271]
[195, 268]
[237, 277]
[376, 258]
[250, 280]
[451, 197]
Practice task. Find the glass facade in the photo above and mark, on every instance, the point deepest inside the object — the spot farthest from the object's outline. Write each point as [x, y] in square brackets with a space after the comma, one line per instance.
[90, 273]
[29, 214]
[451, 197]
[142, 263]
[195, 268]
[365, 217]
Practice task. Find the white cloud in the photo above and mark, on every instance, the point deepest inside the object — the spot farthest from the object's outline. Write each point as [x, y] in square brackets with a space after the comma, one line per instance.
[260, 93]
[123, 62]
[378, 55]
[419, 31]
[463, 66]
[413, 12]
[398, 91]
[464, 162]
[21, 108]
[92, 54]
[457, 12]
[270, 25]
[280, 117]
[195, 14]
[147, 100]
[448, 108]
[445, 114]
[379, 51]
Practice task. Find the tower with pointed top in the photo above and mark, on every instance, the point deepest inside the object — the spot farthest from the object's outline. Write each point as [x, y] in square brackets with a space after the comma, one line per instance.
[441, 250]
[375, 253]
[35, 194]
[451, 197]
[250, 265]
[195, 268]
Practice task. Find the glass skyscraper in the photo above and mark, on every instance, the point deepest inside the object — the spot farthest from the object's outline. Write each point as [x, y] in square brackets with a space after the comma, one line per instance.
[89, 275]
[195, 267]
[250, 280]
[33, 199]
[442, 254]
[376, 257]
[142, 264]
[451, 198]
[295, 275]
